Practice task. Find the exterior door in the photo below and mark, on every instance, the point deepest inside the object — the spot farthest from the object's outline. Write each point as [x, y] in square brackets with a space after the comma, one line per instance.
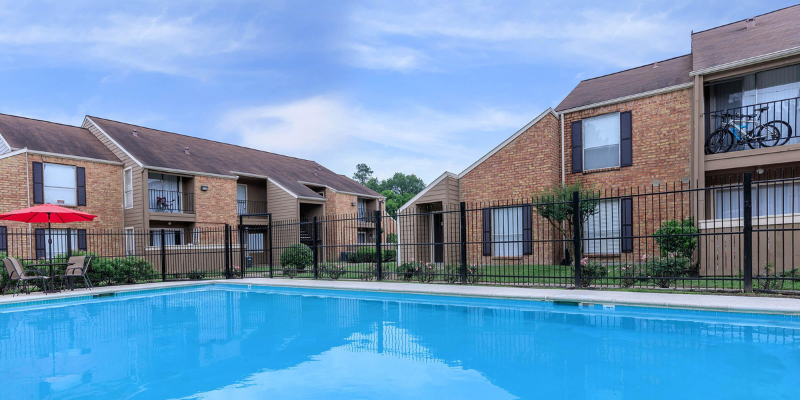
[438, 238]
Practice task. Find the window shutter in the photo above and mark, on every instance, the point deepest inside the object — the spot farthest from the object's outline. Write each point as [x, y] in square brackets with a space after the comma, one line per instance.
[626, 224]
[41, 244]
[625, 139]
[527, 231]
[577, 146]
[81, 186]
[4, 239]
[82, 240]
[38, 183]
[487, 232]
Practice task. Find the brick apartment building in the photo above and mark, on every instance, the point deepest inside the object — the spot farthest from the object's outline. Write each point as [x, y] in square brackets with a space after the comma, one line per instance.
[138, 179]
[642, 129]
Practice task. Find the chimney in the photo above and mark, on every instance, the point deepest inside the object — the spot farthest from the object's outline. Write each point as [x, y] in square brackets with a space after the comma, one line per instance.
[135, 133]
[186, 150]
[751, 23]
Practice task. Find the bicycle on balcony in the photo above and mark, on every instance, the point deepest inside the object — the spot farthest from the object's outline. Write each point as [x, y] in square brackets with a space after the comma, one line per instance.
[164, 205]
[737, 129]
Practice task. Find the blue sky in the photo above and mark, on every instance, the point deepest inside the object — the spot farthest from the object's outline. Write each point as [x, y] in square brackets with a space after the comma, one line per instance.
[417, 87]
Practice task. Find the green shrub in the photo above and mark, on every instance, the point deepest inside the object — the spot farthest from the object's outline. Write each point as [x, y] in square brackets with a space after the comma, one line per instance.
[334, 271]
[408, 270]
[391, 238]
[630, 275]
[290, 272]
[591, 271]
[425, 272]
[667, 269]
[196, 275]
[372, 273]
[389, 255]
[297, 256]
[677, 237]
[364, 254]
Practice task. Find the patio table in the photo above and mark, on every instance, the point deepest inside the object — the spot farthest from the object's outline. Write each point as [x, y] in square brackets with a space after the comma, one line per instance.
[52, 278]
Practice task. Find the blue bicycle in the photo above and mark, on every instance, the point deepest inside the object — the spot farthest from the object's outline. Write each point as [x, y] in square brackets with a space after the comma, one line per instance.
[736, 129]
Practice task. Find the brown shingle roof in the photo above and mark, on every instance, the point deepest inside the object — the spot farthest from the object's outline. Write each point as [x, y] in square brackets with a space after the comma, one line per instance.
[774, 31]
[51, 137]
[162, 149]
[674, 71]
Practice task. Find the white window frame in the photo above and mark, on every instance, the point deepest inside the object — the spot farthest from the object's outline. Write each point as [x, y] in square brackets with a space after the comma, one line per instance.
[127, 188]
[239, 206]
[359, 234]
[130, 241]
[610, 241]
[506, 238]
[255, 238]
[74, 189]
[583, 142]
[59, 241]
[168, 232]
[735, 198]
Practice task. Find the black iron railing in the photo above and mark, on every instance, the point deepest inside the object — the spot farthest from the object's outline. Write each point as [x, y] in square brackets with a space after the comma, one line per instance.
[766, 124]
[167, 201]
[251, 207]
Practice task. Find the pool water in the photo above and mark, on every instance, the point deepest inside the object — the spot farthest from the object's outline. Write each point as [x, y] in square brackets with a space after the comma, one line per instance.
[227, 341]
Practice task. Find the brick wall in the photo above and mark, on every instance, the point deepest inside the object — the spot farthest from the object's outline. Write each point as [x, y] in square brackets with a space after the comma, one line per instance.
[13, 181]
[518, 171]
[216, 206]
[661, 127]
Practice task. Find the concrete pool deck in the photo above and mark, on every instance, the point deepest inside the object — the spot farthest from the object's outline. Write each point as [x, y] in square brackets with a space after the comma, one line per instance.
[749, 304]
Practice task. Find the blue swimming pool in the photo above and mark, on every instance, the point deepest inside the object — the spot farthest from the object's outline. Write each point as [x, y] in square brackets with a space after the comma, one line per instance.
[228, 341]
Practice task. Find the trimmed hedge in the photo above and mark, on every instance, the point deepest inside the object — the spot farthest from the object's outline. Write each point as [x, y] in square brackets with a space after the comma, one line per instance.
[297, 256]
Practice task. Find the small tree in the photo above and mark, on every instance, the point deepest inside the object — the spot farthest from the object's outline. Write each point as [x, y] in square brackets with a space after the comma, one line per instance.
[677, 236]
[555, 205]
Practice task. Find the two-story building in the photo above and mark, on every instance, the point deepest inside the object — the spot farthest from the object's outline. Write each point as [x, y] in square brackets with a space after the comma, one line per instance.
[647, 129]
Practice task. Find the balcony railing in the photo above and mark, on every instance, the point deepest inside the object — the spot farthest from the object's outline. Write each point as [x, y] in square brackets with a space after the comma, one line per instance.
[166, 201]
[755, 126]
[251, 207]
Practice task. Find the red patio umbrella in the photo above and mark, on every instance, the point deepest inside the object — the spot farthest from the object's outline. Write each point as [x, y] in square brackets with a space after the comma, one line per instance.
[49, 213]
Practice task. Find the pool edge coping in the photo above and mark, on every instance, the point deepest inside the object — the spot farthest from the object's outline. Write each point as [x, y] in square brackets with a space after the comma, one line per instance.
[738, 304]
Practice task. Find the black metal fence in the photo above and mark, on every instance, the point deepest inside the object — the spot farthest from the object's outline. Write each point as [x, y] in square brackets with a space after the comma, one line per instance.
[735, 234]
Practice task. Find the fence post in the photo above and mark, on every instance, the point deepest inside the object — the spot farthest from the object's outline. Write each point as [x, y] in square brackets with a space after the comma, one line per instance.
[242, 249]
[69, 242]
[462, 210]
[378, 245]
[163, 255]
[314, 234]
[747, 247]
[227, 251]
[269, 234]
[576, 236]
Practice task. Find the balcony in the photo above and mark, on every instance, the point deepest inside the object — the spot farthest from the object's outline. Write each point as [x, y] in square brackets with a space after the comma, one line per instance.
[251, 207]
[758, 126]
[171, 202]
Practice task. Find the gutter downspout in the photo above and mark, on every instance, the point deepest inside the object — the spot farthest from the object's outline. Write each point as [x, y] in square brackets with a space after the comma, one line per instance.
[563, 173]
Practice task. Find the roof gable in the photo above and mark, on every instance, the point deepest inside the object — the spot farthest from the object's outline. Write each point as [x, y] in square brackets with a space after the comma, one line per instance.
[51, 137]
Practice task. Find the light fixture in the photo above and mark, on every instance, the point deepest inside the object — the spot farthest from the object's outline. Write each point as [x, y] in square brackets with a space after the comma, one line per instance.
[760, 170]
[353, 203]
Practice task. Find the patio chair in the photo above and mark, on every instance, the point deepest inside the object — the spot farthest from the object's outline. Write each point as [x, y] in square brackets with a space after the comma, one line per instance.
[77, 268]
[17, 273]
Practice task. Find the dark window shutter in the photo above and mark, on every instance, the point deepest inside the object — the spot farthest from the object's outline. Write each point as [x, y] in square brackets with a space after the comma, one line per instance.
[82, 240]
[487, 232]
[178, 238]
[38, 183]
[626, 224]
[625, 139]
[4, 239]
[41, 243]
[152, 238]
[577, 146]
[527, 231]
[81, 186]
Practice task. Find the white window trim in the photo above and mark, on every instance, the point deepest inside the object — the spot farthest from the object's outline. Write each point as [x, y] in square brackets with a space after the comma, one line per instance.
[130, 232]
[44, 187]
[245, 191]
[509, 247]
[583, 143]
[125, 189]
[598, 242]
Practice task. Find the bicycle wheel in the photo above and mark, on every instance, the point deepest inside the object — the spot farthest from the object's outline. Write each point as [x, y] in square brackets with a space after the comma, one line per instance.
[774, 133]
[720, 141]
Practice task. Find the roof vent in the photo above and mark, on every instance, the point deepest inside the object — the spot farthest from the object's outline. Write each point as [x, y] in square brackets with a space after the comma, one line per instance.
[135, 133]
[655, 64]
[751, 23]
[186, 150]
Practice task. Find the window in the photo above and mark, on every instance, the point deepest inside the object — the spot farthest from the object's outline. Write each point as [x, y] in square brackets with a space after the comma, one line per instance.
[241, 198]
[60, 184]
[130, 242]
[601, 141]
[127, 180]
[602, 229]
[4, 239]
[362, 237]
[59, 242]
[507, 232]
[362, 208]
[255, 242]
[768, 200]
[174, 237]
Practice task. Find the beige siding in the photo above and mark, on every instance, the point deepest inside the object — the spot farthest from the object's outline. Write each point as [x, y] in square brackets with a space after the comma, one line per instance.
[133, 217]
[281, 204]
[445, 192]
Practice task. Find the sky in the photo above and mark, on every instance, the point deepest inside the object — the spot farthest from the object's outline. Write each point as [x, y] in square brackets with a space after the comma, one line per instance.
[403, 86]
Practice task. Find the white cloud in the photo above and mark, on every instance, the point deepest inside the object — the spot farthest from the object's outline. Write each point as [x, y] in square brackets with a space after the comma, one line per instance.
[380, 57]
[339, 133]
[476, 33]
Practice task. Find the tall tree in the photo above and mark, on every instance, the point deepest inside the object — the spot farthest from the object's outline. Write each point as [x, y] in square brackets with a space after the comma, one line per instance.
[363, 173]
